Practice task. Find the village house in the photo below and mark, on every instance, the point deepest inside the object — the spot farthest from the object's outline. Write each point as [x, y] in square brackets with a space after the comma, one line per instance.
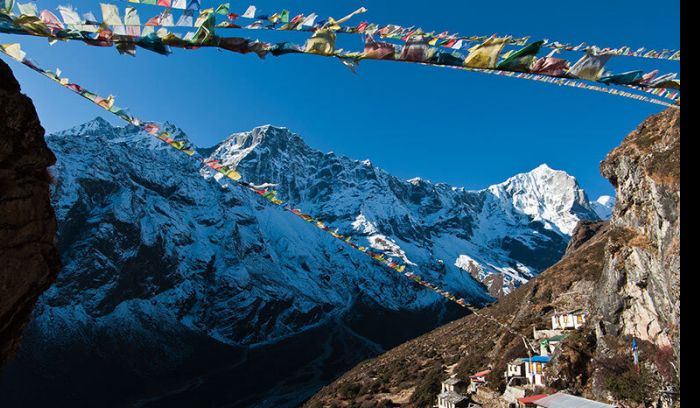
[529, 368]
[452, 394]
[477, 380]
[561, 400]
[569, 320]
[534, 369]
[515, 369]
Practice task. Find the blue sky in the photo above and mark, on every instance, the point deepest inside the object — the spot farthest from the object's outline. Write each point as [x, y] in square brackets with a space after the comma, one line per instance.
[465, 129]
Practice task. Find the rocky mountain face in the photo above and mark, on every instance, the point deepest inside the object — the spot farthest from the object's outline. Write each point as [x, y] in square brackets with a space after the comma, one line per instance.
[181, 288]
[29, 257]
[640, 293]
[625, 275]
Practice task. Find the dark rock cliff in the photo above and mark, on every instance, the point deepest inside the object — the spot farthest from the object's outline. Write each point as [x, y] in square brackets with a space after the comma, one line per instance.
[29, 260]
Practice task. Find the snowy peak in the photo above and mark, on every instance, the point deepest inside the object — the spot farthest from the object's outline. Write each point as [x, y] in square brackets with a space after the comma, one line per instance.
[603, 206]
[270, 138]
[98, 126]
[550, 196]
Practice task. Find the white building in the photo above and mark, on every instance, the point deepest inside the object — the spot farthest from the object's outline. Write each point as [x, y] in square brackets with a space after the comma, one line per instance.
[569, 320]
[477, 380]
[529, 368]
[515, 369]
[452, 394]
[534, 369]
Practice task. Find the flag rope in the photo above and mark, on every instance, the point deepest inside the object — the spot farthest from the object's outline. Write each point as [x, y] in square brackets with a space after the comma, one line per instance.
[351, 59]
[393, 31]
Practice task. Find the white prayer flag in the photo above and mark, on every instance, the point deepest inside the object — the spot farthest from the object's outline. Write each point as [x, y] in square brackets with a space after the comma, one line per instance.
[310, 20]
[250, 13]
[28, 9]
[69, 15]
[110, 14]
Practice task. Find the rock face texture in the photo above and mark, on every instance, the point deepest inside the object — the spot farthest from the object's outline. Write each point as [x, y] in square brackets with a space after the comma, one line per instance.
[639, 294]
[624, 274]
[29, 260]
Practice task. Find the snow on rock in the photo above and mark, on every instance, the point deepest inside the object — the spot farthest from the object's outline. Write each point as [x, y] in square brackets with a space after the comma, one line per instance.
[603, 206]
[124, 197]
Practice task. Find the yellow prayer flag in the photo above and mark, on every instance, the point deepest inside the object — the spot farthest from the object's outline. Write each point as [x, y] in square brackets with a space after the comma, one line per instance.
[485, 55]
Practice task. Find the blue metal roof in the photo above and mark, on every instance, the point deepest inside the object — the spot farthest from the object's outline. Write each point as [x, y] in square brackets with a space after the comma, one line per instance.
[537, 359]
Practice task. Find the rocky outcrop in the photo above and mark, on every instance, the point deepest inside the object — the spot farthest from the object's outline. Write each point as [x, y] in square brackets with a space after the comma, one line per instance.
[29, 259]
[639, 294]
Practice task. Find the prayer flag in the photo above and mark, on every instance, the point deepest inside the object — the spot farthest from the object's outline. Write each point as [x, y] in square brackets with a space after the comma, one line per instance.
[521, 60]
[378, 50]
[486, 54]
[186, 19]
[27, 9]
[590, 66]
[51, 20]
[14, 51]
[284, 16]
[69, 15]
[250, 12]
[223, 9]
[322, 42]
[110, 14]
[166, 18]
[310, 20]
[416, 48]
[625, 78]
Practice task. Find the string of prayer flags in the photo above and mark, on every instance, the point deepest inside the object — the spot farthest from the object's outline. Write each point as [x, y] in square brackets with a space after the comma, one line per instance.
[675, 103]
[417, 48]
[443, 39]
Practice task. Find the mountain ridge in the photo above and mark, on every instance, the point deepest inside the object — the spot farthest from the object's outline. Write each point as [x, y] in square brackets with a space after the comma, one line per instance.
[227, 283]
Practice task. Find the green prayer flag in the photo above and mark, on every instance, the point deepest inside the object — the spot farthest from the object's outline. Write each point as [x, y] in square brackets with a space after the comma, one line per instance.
[223, 9]
[522, 59]
[6, 5]
[284, 17]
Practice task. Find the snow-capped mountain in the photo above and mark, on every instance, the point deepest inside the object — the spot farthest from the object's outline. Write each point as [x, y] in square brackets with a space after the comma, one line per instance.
[166, 268]
[509, 231]
[603, 206]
